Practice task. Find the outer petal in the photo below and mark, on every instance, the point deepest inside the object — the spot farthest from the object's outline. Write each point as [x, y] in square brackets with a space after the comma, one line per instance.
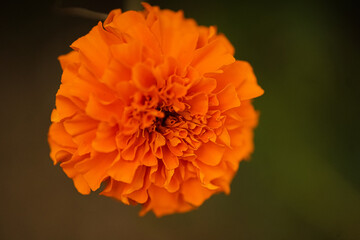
[93, 51]
[210, 153]
[211, 57]
[194, 193]
[94, 169]
[241, 76]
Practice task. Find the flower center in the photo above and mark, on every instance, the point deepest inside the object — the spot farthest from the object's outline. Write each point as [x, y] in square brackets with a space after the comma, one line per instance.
[170, 119]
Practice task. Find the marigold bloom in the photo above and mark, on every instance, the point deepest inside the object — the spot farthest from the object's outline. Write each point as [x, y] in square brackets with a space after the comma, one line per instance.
[156, 108]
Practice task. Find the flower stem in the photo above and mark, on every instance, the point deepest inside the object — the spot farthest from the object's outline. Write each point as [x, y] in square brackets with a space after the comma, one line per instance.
[77, 11]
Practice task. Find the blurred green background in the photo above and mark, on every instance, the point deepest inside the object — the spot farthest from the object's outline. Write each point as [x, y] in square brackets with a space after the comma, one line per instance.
[303, 179]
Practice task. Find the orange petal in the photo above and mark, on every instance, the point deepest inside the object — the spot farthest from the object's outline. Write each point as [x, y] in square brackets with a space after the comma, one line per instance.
[179, 90]
[139, 196]
[213, 101]
[93, 51]
[228, 98]
[123, 170]
[110, 18]
[211, 57]
[156, 142]
[69, 166]
[198, 104]
[105, 138]
[163, 71]
[194, 193]
[74, 87]
[224, 137]
[94, 169]
[162, 202]
[65, 107]
[241, 76]
[127, 54]
[149, 159]
[226, 43]
[150, 45]
[206, 34]
[84, 140]
[121, 23]
[130, 151]
[203, 85]
[210, 153]
[138, 181]
[249, 88]
[81, 185]
[125, 90]
[115, 189]
[240, 138]
[59, 135]
[174, 183]
[178, 38]
[208, 173]
[104, 112]
[69, 59]
[143, 76]
[223, 184]
[170, 160]
[60, 153]
[116, 72]
[80, 124]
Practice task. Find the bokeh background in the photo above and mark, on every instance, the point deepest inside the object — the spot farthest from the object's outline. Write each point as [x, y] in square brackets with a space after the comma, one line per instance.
[303, 179]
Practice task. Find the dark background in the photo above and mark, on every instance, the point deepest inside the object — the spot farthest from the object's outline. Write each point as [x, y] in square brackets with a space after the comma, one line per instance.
[303, 179]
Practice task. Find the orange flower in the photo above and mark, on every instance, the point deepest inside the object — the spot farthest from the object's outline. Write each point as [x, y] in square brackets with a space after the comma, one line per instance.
[156, 108]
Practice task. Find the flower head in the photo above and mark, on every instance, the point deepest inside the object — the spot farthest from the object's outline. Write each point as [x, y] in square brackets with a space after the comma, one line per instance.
[156, 108]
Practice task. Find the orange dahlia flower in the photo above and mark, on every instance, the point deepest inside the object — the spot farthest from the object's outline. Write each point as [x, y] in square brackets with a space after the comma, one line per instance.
[156, 108]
